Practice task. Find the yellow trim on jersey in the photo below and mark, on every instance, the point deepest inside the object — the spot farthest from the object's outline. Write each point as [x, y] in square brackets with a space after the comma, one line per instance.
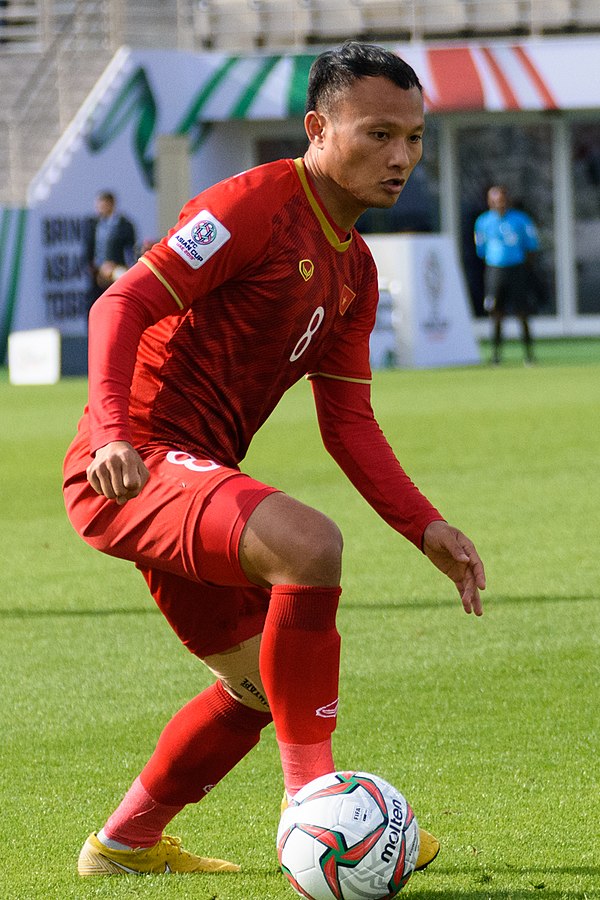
[338, 378]
[162, 280]
[326, 225]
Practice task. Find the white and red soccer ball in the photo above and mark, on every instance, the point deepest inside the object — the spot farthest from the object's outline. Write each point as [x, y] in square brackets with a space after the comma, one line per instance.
[348, 836]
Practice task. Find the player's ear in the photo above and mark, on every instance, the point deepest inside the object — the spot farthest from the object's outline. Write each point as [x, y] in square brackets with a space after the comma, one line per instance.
[314, 124]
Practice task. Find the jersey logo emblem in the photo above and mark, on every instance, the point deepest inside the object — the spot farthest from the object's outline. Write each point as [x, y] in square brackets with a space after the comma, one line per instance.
[307, 268]
[346, 298]
[199, 239]
[330, 711]
[204, 232]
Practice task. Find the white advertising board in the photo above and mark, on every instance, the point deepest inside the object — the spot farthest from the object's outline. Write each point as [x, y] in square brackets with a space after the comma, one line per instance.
[34, 356]
[430, 311]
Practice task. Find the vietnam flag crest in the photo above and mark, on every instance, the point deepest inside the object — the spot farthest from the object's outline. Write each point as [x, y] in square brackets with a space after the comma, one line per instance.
[346, 298]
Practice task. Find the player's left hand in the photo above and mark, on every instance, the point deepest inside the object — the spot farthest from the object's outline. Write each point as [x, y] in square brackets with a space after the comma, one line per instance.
[455, 555]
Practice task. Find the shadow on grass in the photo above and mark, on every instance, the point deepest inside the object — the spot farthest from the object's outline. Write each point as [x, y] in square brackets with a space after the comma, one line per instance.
[489, 600]
[20, 613]
[538, 884]
[488, 893]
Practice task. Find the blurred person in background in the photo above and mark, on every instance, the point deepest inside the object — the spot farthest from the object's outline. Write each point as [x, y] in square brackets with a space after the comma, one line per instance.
[505, 238]
[110, 243]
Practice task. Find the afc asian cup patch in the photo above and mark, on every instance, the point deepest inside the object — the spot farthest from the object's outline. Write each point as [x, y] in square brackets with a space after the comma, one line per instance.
[199, 239]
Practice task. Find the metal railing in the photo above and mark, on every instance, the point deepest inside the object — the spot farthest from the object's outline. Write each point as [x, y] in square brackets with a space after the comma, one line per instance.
[20, 23]
[245, 24]
[51, 61]
[34, 23]
[76, 50]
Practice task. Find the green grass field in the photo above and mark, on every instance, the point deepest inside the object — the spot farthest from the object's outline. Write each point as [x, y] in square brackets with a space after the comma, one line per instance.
[489, 726]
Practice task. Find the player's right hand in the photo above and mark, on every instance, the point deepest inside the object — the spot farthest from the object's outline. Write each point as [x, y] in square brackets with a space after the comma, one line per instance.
[117, 472]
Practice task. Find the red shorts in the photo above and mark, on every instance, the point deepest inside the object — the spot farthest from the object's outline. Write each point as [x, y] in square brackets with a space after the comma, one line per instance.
[183, 533]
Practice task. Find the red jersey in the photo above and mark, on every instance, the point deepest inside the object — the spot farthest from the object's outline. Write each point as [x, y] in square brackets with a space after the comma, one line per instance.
[265, 290]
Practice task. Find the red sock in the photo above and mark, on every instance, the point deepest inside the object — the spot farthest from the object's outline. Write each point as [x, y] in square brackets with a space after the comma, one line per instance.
[197, 748]
[139, 821]
[299, 664]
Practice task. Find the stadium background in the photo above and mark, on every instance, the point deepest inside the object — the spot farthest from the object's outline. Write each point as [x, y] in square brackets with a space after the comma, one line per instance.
[490, 726]
[512, 91]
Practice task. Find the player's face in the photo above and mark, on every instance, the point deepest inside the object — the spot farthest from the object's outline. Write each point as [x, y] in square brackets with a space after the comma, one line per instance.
[369, 143]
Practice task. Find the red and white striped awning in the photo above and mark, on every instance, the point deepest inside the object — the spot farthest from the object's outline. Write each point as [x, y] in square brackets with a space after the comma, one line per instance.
[542, 74]
[561, 73]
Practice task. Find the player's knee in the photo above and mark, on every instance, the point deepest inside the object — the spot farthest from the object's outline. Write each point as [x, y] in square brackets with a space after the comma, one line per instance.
[317, 554]
[287, 542]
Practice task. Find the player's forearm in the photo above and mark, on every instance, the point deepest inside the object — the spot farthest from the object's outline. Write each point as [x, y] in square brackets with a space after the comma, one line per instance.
[353, 438]
[378, 476]
[114, 336]
[117, 321]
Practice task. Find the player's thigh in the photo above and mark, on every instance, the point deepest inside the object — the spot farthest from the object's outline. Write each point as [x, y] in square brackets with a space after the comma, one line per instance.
[221, 625]
[286, 542]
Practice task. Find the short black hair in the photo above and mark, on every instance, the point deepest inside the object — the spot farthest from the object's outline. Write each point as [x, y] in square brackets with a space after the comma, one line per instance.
[335, 70]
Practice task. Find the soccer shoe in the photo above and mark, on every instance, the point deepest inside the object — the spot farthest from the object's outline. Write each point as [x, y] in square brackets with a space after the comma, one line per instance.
[429, 846]
[164, 857]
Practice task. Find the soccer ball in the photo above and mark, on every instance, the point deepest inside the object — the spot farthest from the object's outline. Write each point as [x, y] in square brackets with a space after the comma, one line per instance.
[348, 836]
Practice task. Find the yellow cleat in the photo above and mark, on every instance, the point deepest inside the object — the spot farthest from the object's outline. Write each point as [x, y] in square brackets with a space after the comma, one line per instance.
[164, 857]
[429, 847]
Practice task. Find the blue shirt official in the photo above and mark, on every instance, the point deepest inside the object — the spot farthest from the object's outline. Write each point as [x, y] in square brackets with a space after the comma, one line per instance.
[505, 239]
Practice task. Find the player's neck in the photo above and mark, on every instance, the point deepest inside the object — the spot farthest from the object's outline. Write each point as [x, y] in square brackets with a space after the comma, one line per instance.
[333, 198]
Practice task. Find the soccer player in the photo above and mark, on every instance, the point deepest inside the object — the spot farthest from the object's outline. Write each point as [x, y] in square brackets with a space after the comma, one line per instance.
[505, 238]
[262, 282]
